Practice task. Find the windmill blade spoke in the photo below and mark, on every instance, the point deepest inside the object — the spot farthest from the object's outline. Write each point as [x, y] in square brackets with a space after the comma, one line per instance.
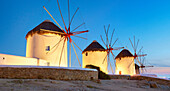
[145, 70]
[76, 45]
[140, 50]
[79, 32]
[143, 60]
[78, 26]
[76, 55]
[142, 66]
[105, 30]
[110, 65]
[104, 59]
[107, 34]
[118, 48]
[81, 37]
[139, 61]
[112, 36]
[114, 42]
[114, 58]
[108, 29]
[73, 16]
[61, 53]
[62, 16]
[53, 19]
[142, 70]
[69, 54]
[142, 55]
[56, 44]
[132, 44]
[149, 66]
[68, 16]
[115, 63]
[137, 44]
[112, 54]
[130, 64]
[103, 41]
[53, 31]
[127, 48]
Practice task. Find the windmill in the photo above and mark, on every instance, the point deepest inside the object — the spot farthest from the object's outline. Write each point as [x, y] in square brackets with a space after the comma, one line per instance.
[138, 54]
[109, 47]
[143, 66]
[68, 32]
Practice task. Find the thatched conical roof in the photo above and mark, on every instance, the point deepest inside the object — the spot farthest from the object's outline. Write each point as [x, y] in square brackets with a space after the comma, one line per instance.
[45, 25]
[94, 46]
[124, 53]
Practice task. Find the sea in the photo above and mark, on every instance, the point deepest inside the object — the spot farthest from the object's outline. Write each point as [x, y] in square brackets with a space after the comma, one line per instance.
[165, 76]
[161, 72]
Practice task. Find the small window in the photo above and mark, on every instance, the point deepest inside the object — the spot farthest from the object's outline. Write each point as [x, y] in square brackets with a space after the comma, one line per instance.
[47, 48]
[86, 54]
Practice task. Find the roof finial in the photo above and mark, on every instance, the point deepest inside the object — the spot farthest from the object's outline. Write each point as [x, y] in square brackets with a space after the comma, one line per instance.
[94, 41]
[47, 21]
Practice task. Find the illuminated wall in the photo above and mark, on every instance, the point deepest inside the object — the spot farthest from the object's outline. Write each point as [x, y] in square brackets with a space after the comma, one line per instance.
[95, 58]
[125, 66]
[44, 47]
[18, 60]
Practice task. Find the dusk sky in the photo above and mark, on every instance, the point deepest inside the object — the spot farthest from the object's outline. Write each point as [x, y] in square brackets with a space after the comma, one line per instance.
[147, 20]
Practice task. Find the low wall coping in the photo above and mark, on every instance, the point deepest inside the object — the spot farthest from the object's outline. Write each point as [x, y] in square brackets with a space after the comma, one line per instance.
[55, 67]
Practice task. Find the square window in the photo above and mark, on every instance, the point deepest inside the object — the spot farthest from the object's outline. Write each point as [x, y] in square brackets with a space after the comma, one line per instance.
[47, 48]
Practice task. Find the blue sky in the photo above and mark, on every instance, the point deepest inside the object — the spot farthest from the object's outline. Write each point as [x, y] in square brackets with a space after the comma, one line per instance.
[148, 20]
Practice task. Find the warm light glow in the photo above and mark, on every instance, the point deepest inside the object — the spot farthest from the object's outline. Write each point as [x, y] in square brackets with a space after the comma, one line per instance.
[125, 66]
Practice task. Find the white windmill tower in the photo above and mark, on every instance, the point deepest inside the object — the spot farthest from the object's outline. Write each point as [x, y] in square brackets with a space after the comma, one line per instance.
[41, 43]
[125, 64]
[93, 55]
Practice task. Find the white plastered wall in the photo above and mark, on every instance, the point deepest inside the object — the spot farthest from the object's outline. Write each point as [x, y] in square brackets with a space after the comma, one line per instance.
[126, 65]
[36, 48]
[95, 58]
[18, 60]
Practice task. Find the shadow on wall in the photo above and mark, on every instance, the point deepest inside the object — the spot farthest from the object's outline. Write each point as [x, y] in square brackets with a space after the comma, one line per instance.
[101, 75]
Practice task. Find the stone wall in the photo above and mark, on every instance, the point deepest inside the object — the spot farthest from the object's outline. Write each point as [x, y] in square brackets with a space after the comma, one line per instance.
[47, 73]
[120, 77]
[157, 80]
